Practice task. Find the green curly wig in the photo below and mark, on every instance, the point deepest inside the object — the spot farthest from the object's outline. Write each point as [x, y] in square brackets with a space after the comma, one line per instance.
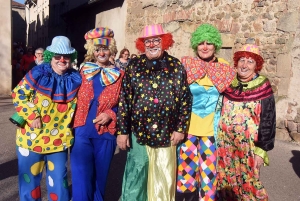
[206, 32]
[48, 56]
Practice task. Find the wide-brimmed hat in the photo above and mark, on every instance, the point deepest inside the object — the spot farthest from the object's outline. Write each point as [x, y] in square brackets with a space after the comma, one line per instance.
[61, 45]
[152, 30]
[100, 36]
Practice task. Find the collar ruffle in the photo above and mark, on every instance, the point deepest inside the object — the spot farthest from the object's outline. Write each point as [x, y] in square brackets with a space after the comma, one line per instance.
[60, 88]
[257, 89]
[220, 74]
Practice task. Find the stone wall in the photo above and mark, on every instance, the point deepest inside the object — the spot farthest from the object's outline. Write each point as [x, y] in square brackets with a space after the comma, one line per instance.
[274, 25]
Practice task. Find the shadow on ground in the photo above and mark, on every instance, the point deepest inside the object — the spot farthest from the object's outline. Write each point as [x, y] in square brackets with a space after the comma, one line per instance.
[295, 160]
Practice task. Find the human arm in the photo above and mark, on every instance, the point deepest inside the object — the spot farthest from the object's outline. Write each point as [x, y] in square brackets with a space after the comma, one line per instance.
[23, 99]
[266, 130]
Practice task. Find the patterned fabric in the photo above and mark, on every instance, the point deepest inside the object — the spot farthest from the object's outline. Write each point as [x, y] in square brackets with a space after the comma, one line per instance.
[219, 73]
[154, 103]
[56, 133]
[246, 128]
[30, 168]
[257, 89]
[237, 177]
[122, 65]
[197, 167]
[59, 88]
[107, 100]
[108, 75]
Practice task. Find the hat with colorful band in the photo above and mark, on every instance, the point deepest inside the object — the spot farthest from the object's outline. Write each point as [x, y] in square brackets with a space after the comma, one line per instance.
[100, 36]
[250, 48]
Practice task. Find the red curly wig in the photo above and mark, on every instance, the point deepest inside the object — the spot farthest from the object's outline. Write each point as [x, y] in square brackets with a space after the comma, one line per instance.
[166, 42]
[259, 60]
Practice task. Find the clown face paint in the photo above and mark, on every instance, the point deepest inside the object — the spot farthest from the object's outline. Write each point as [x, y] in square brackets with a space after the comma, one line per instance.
[246, 69]
[102, 54]
[60, 63]
[206, 51]
[153, 48]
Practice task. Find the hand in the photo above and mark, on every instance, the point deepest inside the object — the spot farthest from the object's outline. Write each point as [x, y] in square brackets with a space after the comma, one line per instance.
[258, 162]
[102, 119]
[36, 123]
[176, 138]
[123, 141]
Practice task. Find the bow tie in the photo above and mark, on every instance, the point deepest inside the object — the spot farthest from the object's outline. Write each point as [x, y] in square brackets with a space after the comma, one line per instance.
[107, 75]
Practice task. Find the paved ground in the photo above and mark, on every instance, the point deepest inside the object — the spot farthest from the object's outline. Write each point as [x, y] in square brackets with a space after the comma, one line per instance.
[281, 178]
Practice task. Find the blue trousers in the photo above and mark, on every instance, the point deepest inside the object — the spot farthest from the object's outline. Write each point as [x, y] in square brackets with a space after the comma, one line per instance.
[31, 167]
[90, 161]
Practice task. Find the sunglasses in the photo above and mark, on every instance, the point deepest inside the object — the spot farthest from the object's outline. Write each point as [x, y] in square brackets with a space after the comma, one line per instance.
[59, 56]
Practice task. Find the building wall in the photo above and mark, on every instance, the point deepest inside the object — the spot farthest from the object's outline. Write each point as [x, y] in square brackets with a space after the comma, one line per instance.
[273, 25]
[5, 50]
[115, 19]
[37, 19]
[18, 25]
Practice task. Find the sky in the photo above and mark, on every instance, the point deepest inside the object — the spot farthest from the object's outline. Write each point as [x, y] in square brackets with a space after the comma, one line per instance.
[20, 1]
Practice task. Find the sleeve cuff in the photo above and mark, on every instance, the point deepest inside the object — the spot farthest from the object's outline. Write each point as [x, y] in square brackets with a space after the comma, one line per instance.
[262, 153]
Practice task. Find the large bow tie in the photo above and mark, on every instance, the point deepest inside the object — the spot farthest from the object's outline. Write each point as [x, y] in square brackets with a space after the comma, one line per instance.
[107, 75]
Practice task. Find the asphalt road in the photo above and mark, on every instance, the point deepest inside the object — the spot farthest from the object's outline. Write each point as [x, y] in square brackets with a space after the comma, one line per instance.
[281, 178]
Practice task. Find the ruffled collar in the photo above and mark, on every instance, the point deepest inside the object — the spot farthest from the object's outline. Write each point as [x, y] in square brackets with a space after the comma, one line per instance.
[60, 88]
[220, 74]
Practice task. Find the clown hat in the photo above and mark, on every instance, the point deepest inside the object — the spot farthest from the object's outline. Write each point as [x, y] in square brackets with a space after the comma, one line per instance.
[100, 36]
[251, 49]
[61, 45]
[152, 30]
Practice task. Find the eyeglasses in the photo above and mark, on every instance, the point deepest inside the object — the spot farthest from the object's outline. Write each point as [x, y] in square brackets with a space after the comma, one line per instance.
[126, 54]
[39, 53]
[59, 56]
[155, 41]
[105, 50]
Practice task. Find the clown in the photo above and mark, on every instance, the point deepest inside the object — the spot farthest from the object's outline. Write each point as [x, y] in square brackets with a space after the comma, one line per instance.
[95, 117]
[208, 76]
[46, 99]
[246, 129]
[154, 110]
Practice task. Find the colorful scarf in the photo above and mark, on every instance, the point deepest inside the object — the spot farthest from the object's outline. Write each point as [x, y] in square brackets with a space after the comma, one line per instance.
[220, 74]
[108, 76]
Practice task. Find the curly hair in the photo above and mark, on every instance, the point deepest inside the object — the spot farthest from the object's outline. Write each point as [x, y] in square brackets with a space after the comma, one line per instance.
[166, 42]
[90, 47]
[206, 32]
[48, 56]
[259, 60]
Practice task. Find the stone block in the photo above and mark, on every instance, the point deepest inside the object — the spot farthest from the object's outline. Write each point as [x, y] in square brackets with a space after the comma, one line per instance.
[283, 86]
[295, 136]
[284, 65]
[228, 40]
[288, 21]
[291, 126]
[298, 128]
[280, 41]
[280, 123]
[269, 26]
[282, 134]
[297, 120]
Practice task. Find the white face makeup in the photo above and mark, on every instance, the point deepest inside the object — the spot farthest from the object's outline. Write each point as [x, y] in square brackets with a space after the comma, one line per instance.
[246, 69]
[102, 54]
[60, 63]
[153, 48]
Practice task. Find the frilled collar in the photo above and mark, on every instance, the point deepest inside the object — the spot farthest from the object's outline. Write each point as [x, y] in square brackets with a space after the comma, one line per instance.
[220, 74]
[256, 89]
[108, 76]
[60, 88]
